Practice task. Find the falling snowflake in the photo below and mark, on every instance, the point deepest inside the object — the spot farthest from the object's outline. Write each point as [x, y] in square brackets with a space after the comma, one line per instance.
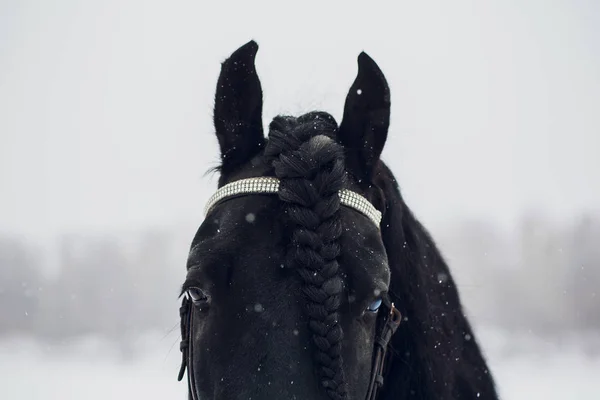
[442, 277]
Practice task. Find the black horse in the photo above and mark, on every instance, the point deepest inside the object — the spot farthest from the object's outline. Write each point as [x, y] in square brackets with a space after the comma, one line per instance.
[309, 259]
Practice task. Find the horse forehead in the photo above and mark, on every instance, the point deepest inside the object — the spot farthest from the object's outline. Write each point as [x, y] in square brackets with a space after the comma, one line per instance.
[253, 214]
[260, 215]
[240, 225]
[362, 243]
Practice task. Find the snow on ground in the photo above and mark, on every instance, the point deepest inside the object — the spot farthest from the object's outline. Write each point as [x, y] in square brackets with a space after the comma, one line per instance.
[525, 369]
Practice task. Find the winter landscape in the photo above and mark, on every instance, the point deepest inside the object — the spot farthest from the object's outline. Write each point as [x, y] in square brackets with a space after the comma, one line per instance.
[106, 137]
[533, 299]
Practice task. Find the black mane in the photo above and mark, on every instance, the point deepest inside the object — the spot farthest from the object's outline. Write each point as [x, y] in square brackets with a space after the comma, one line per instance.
[436, 355]
[310, 166]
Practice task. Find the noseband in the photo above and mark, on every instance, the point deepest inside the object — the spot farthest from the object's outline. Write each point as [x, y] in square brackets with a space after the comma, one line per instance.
[267, 185]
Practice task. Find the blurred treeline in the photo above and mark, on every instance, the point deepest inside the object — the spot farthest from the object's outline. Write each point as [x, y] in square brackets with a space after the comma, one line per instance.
[540, 276]
[112, 285]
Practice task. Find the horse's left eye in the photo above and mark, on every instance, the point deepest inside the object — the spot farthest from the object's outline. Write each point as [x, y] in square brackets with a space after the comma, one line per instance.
[197, 296]
[374, 306]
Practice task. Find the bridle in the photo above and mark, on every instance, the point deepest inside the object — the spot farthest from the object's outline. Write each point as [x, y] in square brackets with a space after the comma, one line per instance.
[387, 326]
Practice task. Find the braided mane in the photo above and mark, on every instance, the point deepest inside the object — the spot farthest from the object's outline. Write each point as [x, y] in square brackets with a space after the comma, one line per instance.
[310, 165]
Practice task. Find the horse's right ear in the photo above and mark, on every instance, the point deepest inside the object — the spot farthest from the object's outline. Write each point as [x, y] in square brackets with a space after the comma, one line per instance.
[366, 120]
[238, 108]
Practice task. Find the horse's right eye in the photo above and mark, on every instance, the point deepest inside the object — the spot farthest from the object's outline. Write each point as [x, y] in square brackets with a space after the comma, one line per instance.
[374, 306]
[198, 297]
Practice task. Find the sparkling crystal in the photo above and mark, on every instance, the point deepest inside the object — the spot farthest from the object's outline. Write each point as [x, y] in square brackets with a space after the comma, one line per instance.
[270, 185]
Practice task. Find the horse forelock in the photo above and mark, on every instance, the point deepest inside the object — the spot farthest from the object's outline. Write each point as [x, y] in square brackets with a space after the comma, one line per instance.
[310, 165]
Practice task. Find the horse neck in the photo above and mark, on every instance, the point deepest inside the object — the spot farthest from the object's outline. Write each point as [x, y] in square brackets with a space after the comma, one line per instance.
[430, 354]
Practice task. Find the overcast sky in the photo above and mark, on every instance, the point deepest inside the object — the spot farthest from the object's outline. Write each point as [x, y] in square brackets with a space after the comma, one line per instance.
[105, 107]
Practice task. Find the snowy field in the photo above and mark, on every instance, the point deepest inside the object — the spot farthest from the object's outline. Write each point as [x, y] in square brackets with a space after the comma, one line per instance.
[525, 369]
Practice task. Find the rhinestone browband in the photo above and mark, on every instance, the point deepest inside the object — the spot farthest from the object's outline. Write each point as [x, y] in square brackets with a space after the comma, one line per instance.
[269, 185]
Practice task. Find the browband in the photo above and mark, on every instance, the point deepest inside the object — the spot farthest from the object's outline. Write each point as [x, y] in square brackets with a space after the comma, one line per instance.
[270, 185]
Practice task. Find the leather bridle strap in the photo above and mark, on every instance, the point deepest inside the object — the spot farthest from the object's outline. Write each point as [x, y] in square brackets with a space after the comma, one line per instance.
[186, 346]
[382, 340]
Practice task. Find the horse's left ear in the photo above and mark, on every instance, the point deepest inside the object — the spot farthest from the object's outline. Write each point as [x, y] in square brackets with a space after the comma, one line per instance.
[238, 108]
[366, 119]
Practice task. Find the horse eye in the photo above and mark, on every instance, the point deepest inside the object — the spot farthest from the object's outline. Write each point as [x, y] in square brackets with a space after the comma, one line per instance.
[197, 295]
[374, 306]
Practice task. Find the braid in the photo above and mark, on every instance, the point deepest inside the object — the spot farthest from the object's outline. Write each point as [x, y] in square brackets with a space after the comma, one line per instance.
[310, 166]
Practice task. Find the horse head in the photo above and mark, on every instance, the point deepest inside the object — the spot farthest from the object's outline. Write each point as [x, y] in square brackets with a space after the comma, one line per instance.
[308, 258]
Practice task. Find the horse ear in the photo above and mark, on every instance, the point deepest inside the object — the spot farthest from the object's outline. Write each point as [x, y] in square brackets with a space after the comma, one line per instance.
[238, 108]
[366, 119]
